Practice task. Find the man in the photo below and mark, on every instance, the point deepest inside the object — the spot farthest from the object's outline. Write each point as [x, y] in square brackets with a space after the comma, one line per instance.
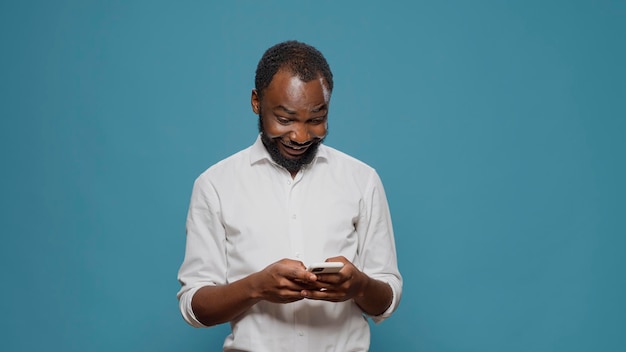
[257, 218]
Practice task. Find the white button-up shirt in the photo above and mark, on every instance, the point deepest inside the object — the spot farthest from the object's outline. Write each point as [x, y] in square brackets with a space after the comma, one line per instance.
[247, 212]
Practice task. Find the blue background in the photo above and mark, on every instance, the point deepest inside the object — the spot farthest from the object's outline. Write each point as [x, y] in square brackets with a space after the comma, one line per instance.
[498, 129]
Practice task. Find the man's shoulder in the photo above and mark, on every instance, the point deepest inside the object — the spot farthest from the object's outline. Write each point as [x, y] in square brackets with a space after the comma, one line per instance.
[347, 168]
[230, 164]
[338, 158]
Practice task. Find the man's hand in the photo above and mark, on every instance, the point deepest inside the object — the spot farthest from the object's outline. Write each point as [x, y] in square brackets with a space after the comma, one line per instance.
[371, 295]
[348, 283]
[283, 281]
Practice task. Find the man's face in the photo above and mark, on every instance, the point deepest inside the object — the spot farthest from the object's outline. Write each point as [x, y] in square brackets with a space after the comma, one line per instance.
[293, 118]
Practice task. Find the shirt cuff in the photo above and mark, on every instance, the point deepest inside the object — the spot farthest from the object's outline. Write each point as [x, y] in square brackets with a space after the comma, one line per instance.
[184, 303]
[396, 293]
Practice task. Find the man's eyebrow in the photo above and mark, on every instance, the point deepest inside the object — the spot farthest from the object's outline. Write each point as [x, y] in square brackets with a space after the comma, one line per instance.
[288, 111]
[320, 108]
[292, 112]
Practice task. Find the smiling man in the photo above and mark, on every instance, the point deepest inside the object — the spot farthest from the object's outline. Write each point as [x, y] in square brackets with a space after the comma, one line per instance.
[259, 217]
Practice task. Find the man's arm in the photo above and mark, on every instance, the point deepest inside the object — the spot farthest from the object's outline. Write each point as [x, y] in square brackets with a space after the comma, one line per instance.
[207, 297]
[377, 253]
[376, 285]
[375, 298]
[281, 282]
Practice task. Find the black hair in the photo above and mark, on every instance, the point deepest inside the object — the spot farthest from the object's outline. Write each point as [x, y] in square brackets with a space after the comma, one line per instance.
[298, 58]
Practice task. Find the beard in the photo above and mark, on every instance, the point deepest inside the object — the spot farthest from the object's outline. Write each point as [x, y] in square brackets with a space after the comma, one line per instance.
[292, 165]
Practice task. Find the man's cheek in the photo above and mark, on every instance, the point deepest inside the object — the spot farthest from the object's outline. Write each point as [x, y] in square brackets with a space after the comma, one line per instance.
[276, 131]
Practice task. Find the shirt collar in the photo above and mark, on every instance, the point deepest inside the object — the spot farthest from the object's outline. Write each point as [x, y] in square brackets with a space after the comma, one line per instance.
[258, 152]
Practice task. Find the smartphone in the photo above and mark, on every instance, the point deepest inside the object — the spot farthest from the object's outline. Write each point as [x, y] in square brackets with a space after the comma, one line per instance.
[325, 268]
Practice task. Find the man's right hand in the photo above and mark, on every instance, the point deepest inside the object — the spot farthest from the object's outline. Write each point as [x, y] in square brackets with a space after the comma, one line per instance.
[282, 281]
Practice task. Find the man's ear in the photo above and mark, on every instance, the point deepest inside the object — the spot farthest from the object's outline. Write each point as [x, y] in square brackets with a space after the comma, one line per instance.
[255, 102]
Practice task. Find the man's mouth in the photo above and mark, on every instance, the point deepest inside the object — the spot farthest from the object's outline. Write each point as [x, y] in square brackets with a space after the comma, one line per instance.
[295, 149]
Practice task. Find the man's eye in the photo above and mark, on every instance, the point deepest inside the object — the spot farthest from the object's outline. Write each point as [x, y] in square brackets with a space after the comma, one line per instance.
[318, 120]
[282, 120]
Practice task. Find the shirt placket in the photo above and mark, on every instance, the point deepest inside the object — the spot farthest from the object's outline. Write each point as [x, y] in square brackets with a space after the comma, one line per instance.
[298, 251]
[295, 224]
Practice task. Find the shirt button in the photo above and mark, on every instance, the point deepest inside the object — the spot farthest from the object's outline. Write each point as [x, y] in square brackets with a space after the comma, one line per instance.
[293, 216]
[301, 333]
[289, 182]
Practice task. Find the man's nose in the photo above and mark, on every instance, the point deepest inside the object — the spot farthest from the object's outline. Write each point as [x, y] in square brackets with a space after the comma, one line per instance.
[300, 134]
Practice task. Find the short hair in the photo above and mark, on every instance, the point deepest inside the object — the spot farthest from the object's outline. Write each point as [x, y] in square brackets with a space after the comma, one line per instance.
[298, 58]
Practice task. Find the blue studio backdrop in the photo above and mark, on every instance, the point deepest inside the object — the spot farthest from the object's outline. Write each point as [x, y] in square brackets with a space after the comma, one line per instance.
[498, 129]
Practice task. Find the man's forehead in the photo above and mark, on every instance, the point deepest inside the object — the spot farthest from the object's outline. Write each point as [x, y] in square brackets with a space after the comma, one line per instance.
[286, 87]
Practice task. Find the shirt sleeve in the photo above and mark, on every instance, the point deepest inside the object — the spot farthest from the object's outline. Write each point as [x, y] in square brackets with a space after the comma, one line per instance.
[377, 250]
[205, 260]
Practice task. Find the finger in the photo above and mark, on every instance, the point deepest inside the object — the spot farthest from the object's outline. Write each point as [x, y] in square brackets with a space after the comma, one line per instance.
[323, 295]
[300, 284]
[333, 279]
[301, 275]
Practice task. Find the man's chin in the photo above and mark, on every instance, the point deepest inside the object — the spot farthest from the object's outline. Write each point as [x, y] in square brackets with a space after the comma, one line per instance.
[290, 162]
[286, 153]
